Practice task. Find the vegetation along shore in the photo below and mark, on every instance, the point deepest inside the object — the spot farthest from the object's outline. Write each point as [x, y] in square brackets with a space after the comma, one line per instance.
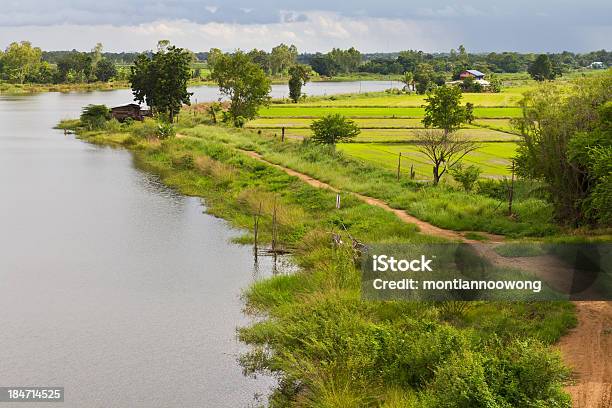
[431, 163]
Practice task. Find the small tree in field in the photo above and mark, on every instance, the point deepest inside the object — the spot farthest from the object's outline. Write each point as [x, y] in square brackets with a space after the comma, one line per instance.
[444, 150]
[298, 76]
[469, 112]
[333, 128]
[443, 109]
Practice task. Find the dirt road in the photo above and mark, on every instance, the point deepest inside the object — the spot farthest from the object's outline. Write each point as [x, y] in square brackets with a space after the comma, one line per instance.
[587, 348]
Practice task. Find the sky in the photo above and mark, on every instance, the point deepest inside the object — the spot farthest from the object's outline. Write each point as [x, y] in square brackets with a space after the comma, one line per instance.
[312, 25]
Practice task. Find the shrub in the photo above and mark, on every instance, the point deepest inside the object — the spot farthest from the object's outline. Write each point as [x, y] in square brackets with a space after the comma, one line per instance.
[94, 117]
[333, 128]
[467, 176]
[151, 128]
[462, 383]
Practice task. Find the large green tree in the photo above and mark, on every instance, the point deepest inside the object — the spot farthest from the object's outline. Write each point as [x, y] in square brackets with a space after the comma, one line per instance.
[161, 79]
[542, 68]
[281, 58]
[566, 143]
[298, 76]
[105, 70]
[20, 60]
[423, 77]
[243, 82]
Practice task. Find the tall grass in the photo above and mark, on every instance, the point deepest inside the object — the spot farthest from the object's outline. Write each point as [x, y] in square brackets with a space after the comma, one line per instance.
[327, 346]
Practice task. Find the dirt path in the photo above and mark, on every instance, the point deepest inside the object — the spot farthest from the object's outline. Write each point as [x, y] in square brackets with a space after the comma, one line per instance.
[424, 227]
[587, 348]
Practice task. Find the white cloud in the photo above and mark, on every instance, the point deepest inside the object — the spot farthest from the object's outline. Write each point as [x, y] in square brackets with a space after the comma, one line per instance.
[309, 31]
[212, 9]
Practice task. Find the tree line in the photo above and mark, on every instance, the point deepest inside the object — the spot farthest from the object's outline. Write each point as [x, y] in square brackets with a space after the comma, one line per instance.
[22, 63]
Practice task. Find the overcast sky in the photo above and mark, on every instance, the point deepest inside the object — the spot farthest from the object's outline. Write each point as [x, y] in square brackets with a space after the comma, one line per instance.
[312, 25]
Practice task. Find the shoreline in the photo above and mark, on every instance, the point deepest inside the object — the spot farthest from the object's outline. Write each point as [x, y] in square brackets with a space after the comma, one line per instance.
[211, 166]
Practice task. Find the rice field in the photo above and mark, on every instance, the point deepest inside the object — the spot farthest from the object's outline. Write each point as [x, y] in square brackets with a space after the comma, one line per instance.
[493, 158]
[509, 97]
[302, 111]
[390, 124]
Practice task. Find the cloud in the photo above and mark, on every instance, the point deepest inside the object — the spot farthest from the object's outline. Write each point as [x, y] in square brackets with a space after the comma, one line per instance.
[316, 25]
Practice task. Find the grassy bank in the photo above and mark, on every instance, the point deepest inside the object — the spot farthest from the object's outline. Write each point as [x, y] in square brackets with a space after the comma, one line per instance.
[327, 346]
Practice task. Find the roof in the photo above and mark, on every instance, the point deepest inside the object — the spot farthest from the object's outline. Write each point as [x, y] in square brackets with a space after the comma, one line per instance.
[130, 105]
[475, 72]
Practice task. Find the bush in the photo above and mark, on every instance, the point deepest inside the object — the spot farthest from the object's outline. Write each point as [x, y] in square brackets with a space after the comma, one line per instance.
[94, 117]
[151, 128]
[462, 383]
[332, 129]
[496, 189]
[467, 176]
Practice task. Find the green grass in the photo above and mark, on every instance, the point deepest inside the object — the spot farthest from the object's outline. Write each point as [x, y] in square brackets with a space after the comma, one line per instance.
[401, 135]
[327, 346]
[492, 158]
[302, 111]
[509, 97]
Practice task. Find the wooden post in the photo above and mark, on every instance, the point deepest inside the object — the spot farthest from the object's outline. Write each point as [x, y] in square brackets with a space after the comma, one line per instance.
[283, 135]
[511, 192]
[399, 165]
[256, 230]
[337, 201]
[274, 228]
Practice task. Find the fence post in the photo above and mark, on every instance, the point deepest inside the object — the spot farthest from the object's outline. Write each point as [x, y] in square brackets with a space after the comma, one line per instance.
[337, 201]
[399, 165]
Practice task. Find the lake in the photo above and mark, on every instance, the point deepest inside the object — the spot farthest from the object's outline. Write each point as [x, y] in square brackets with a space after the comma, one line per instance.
[112, 285]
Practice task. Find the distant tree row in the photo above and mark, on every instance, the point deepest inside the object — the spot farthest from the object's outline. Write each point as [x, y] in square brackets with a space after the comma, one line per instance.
[457, 60]
[21, 63]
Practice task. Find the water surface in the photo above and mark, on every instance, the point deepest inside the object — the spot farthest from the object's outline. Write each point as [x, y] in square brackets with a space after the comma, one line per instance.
[112, 285]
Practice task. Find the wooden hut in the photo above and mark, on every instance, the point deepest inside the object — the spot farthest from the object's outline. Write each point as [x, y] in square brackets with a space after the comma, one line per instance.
[132, 110]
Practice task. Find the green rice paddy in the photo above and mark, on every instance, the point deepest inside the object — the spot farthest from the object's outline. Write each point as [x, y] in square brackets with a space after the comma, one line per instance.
[390, 124]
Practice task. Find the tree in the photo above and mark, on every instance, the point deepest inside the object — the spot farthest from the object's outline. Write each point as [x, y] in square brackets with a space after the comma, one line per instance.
[564, 138]
[469, 112]
[74, 67]
[444, 150]
[333, 128]
[282, 57]
[298, 76]
[244, 82]
[423, 76]
[408, 81]
[20, 60]
[161, 80]
[443, 109]
[105, 70]
[323, 65]
[541, 69]
[261, 58]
